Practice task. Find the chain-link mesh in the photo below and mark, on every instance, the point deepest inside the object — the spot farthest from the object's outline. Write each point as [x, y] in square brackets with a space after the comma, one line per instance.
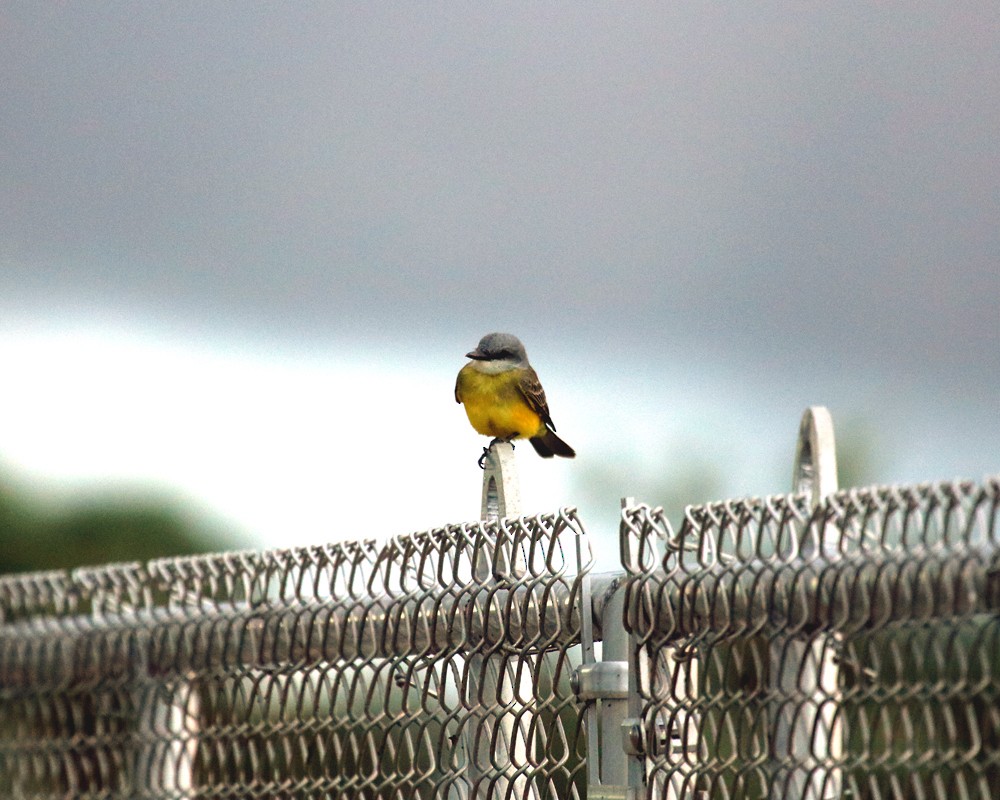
[434, 666]
[782, 651]
[848, 651]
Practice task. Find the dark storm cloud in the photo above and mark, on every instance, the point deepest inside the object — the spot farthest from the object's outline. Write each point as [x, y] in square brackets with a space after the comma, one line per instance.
[769, 181]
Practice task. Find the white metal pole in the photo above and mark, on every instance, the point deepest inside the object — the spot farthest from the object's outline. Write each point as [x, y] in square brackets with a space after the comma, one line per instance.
[808, 733]
[503, 742]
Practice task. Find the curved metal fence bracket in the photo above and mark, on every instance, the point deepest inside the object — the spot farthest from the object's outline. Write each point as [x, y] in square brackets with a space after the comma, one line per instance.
[815, 455]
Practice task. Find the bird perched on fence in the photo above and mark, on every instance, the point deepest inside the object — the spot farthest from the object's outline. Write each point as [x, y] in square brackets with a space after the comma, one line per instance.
[504, 399]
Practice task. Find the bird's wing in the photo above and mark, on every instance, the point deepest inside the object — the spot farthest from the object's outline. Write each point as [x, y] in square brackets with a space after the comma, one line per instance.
[531, 389]
[457, 398]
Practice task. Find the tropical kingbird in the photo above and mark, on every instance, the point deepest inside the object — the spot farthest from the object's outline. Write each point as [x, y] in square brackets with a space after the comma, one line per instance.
[503, 397]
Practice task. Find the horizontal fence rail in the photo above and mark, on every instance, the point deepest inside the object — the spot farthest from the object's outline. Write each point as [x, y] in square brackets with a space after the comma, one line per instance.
[821, 644]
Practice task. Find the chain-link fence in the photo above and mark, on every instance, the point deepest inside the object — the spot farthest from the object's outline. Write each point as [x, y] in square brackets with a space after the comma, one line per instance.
[436, 665]
[815, 645]
[850, 649]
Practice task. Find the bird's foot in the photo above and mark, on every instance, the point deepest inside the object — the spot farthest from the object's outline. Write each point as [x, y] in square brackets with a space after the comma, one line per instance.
[497, 440]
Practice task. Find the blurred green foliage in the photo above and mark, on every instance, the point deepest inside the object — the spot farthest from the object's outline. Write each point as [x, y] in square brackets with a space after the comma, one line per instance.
[97, 529]
[858, 446]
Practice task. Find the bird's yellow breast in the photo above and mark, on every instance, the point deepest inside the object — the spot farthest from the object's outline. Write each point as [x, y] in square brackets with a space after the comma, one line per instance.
[494, 405]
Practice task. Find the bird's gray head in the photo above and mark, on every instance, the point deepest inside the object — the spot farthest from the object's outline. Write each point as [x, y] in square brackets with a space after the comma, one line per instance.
[502, 349]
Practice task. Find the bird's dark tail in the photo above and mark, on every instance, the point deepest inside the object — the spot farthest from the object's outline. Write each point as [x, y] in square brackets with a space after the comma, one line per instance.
[548, 445]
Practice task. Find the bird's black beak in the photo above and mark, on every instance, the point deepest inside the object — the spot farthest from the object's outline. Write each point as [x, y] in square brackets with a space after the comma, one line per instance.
[477, 355]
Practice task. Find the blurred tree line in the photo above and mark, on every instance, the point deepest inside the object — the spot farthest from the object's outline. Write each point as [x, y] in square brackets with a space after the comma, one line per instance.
[97, 529]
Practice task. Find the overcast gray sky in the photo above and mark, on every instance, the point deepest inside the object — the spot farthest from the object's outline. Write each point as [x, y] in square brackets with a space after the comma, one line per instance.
[806, 193]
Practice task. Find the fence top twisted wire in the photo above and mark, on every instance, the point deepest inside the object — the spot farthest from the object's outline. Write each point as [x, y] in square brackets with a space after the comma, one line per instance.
[513, 582]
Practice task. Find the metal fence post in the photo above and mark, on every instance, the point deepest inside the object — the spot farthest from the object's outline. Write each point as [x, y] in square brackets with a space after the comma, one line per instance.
[808, 734]
[639, 672]
[163, 716]
[497, 679]
[501, 489]
[168, 734]
[604, 687]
